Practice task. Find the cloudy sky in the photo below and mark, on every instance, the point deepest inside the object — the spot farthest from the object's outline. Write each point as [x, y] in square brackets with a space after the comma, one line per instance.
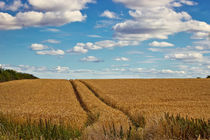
[106, 38]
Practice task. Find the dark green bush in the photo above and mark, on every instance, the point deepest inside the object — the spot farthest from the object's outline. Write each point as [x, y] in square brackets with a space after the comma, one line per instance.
[208, 76]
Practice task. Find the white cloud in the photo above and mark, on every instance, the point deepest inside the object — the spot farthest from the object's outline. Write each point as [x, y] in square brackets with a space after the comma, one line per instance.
[62, 69]
[121, 59]
[84, 47]
[192, 56]
[111, 43]
[95, 36]
[53, 30]
[52, 41]
[51, 52]
[200, 35]
[109, 14]
[136, 4]
[79, 48]
[155, 19]
[59, 5]
[176, 4]
[91, 46]
[91, 59]
[38, 47]
[33, 18]
[161, 44]
[8, 22]
[188, 2]
[167, 71]
[45, 50]
[45, 13]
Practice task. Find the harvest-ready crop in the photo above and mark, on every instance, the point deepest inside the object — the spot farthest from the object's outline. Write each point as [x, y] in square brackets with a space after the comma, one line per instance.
[46, 99]
[152, 97]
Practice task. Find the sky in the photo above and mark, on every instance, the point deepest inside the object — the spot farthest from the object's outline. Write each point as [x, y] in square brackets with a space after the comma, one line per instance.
[92, 39]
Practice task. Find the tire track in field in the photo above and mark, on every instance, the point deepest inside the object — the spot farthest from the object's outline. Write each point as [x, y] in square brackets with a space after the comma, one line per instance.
[82, 104]
[110, 105]
[98, 111]
[91, 117]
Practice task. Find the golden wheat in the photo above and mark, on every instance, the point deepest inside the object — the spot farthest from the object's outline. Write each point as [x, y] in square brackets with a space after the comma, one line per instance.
[46, 99]
[106, 113]
[153, 97]
[108, 116]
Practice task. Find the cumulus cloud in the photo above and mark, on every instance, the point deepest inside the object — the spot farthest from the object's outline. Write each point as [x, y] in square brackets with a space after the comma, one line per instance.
[52, 41]
[156, 19]
[62, 69]
[79, 48]
[121, 59]
[84, 47]
[51, 52]
[136, 4]
[200, 35]
[44, 13]
[92, 46]
[192, 56]
[38, 47]
[59, 5]
[161, 44]
[167, 71]
[41, 49]
[91, 59]
[188, 2]
[109, 14]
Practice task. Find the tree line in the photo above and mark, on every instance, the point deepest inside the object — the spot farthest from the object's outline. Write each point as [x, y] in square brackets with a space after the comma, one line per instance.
[8, 75]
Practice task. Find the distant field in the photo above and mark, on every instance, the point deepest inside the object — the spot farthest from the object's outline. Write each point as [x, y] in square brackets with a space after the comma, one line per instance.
[96, 106]
[152, 97]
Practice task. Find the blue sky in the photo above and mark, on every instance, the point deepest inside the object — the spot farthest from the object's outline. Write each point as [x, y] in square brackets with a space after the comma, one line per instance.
[106, 39]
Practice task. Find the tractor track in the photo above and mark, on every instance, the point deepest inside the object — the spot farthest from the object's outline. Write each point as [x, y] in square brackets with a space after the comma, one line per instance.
[76, 92]
[110, 105]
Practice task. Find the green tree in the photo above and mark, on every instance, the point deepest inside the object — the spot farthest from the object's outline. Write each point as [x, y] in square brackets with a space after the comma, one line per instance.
[8, 75]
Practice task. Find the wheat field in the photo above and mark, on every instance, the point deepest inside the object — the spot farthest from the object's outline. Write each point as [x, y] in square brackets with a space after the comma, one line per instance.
[112, 108]
[107, 116]
[46, 99]
[153, 97]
